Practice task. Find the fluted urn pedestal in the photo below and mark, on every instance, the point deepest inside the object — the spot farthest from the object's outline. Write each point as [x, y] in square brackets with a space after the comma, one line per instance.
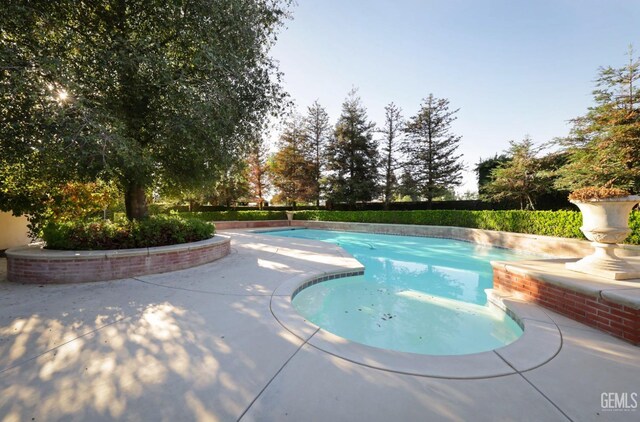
[605, 222]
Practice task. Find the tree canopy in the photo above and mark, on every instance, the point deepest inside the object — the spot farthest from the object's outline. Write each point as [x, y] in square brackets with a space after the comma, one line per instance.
[521, 177]
[353, 155]
[604, 144]
[258, 172]
[291, 167]
[134, 91]
[317, 132]
[391, 142]
[431, 148]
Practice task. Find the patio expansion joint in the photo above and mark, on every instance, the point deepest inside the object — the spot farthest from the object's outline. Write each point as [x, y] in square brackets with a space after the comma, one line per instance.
[413, 374]
[521, 373]
[203, 291]
[275, 375]
[88, 333]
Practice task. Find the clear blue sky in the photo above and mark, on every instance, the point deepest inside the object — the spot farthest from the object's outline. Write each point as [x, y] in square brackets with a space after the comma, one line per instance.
[513, 67]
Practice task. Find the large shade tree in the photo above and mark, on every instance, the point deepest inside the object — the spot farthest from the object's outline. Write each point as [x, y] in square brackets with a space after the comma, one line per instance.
[132, 91]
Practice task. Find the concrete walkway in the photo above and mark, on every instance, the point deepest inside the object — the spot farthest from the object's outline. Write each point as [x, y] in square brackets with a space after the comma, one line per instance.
[202, 344]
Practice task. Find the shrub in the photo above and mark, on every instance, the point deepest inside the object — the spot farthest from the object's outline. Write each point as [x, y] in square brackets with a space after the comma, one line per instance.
[100, 235]
[634, 225]
[591, 193]
[234, 215]
[547, 223]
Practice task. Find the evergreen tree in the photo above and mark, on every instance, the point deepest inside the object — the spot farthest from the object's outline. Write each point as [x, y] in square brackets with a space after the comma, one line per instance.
[431, 148]
[484, 168]
[231, 187]
[352, 155]
[317, 131]
[258, 171]
[392, 131]
[521, 177]
[408, 187]
[604, 145]
[291, 167]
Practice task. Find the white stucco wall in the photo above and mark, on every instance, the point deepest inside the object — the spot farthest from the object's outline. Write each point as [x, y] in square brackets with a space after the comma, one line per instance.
[13, 231]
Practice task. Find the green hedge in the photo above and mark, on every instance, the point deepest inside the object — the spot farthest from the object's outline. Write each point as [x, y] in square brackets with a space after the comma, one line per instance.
[234, 215]
[634, 224]
[548, 223]
[101, 235]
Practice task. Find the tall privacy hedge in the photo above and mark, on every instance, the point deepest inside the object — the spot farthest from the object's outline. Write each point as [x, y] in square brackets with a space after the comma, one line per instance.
[548, 223]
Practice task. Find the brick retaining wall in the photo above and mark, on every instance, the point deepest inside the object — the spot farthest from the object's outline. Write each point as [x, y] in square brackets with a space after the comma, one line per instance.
[614, 318]
[40, 266]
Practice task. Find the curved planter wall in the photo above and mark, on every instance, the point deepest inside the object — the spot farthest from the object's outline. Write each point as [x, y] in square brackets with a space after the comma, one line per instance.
[32, 264]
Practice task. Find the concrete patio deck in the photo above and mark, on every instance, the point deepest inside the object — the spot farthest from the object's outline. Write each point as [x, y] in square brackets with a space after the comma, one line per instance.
[203, 344]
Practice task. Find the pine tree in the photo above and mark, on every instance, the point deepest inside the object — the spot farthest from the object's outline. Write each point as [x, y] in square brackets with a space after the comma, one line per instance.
[431, 148]
[604, 145]
[353, 155]
[408, 186]
[392, 132]
[258, 171]
[291, 168]
[317, 130]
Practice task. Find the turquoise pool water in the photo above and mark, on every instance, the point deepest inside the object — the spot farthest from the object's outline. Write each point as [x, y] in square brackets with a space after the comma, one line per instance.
[418, 294]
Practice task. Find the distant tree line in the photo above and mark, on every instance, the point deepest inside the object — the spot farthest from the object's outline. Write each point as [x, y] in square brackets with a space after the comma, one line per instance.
[352, 161]
[355, 161]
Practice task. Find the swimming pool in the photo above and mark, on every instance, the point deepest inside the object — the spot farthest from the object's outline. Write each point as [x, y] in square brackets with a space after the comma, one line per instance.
[418, 294]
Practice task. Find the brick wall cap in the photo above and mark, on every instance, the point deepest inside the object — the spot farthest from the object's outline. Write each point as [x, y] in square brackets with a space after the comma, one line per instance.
[629, 298]
[553, 272]
[36, 252]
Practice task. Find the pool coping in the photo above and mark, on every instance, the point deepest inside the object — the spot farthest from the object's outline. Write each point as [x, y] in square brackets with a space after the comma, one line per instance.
[540, 342]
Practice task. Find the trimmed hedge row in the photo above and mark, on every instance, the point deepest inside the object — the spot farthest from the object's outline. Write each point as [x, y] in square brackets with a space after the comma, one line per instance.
[634, 225]
[234, 215]
[104, 234]
[547, 223]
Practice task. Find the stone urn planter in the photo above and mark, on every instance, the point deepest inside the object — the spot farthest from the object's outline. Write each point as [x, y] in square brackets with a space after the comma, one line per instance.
[605, 222]
[289, 216]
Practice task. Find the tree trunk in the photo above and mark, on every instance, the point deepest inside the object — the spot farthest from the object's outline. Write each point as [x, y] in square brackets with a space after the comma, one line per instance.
[135, 201]
[531, 205]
